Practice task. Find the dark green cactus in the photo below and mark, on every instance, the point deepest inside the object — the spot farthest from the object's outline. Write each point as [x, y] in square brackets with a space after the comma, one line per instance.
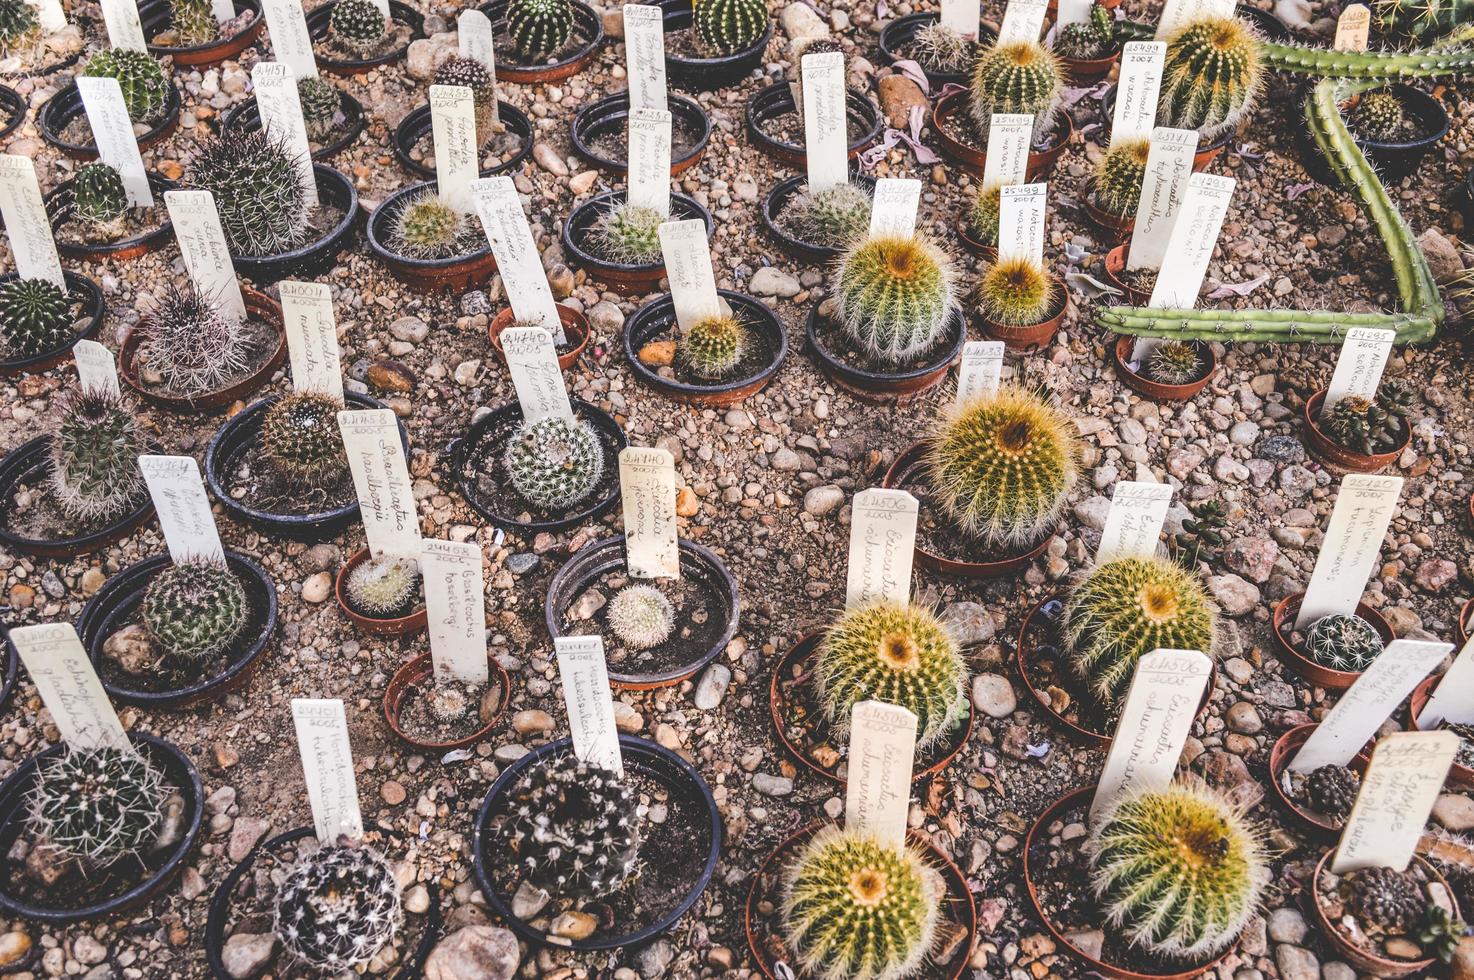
[1201, 536]
[359, 26]
[195, 609]
[539, 28]
[194, 22]
[20, 25]
[1378, 117]
[322, 106]
[1340, 642]
[98, 197]
[94, 457]
[472, 74]
[1419, 20]
[574, 828]
[338, 907]
[1370, 426]
[1090, 39]
[1017, 77]
[714, 346]
[727, 26]
[1118, 179]
[98, 806]
[145, 86]
[35, 318]
[258, 190]
[301, 442]
[831, 218]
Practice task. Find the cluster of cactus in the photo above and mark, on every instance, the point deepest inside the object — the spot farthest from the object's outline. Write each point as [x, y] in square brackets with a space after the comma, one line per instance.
[20, 25]
[1090, 39]
[1378, 117]
[98, 806]
[1201, 536]
[301, 442]
[1127, 608]
[1119, 177]
[832, 218]
[358, 26]
[574, 827]
[982, 216]
[1213, 71]
[1441, 932]
[194, 22]
[35, 318]
[322, 106]
[1001, 464]
[1174, 362]
[1419, 20]
[725, 27]
[145, 86]
[94, 457]
[553, 463]
[897, 653]
[338, 907]
[1386, 899]
[628, 234]
[429, 228]
[1332, 790]
[895, 295]
[938, 48]
[195, 609]
[641, 616]
[259, 192]
[1370, 426]
[190, 344]
[384, 587]
[98, 196]
[472, 74]
[1179, 871]
[1342, 642]
[714, 346]
[539, 28]
[1017, 77]
[855, 908]
[1017, 292]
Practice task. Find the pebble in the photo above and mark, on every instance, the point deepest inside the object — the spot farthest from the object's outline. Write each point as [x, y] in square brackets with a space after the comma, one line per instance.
[1252, 557]
[605, 318]
[1235, 596]
[799, 20]
[14, 947]
[244, 835]
[1244, 718]
[770, 785]
[823, 499]
[993, 695]
[1281, 449]
[586, 605]
[531, 721]
[970, 623]
[579, 184]
[87, 950]
[1434, 574]
[549, 160]
[317, 587]
[475, 952]
[1286, 925]
[898, 96]
[416, 899]
[1455, 812]
[1244, 433]
[246, 954]
[712, 686]
[574, 925]
[772, 281]
[410, 329]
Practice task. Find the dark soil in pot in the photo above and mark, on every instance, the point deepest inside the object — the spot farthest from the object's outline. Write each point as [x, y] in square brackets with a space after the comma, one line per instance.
[247, 115]
[588, 34]
[31, 523]
[236, 35]
[331, 226]
[1369, 947]
[458, 272]
[896, 44]
[868, 379]
[88, 310]
[774, 212]
[405, 24]
[959, 137]
[62, 120]
[407, 710]
[630, 278]
[655, 324]
[414, 142]
[600, 133]
[689, 66]
[1291, 643]
[138, 232]
[775, 127]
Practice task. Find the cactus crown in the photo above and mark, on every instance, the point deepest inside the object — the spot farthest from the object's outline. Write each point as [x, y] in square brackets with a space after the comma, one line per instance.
[574, 827]
[554, 463]
[98, 806]
[190, 344]
[831, 218]
[727, 26]
[714, 346]
[1179, 870]
[1174, 362]
[539, 28]
[1119, 176]
[1341, 642]
[1367, 426]
[1213, 71]
[428, 228]
[1332, 790]
[35, 318]
[145, 86]
[194, 22]
[20, 25]
[629, 234]
[98, 197]
[1378, 117]
[1129, 607]
[899, 654]
[1390, 900]
[938, 48]
[472, 74]
[1001, 464]
[358, 25]
[301, 441]
[983, 215]
[94, 457]
[322, 105]
[338, 907]
[448, 703]
[384, 587]
[1017, 77]
[895, 295]
[641, 616]
[1016, 291]
[1089, 39]
[258, 191]
[195, 609]
[857, 909]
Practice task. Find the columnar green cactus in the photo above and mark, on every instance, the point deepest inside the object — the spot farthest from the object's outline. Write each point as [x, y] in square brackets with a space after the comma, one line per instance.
[98, 806]
[539, 28]
[1017, 77]
[727, 26]
[982, 217]
[831, 218]
[858, 909]
[359, 26]
[1419, 20]
[301, 442]
[94, 457]
[140, 76]
[20, 25]
[1340, 642]
[322, 106]
[1378, 117]
[258, 190]
[1212, 73]
[472, 74]
[1016, 292]
[384, 587]
[628, 234]
[194, 22]
[35, 318]
[895, 295]
[714, 346]
[1174, 362]
[98, 197]
[189, 344]
[195, 609]
[338, 907]
[574, 828]
[428, 228]
[641, 616]
[938, 48]
[553, 463]
[1119, 177]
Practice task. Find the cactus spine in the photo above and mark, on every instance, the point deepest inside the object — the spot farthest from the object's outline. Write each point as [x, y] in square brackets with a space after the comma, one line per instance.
[259, 192]
[194, 22]
[301, 442]
[1417, 20]
[938, 48]
[472, 74]
[1119, 177]
[98, 196]
[428, 228]
[322, 106]
[641, 616]
[1340, 642]
[35, 317]
[1016, 292]
[574, 827]
[338, 907]
[714, 346]
[94, 457]
[553, 463]
[145, 86]
[358, 25]
[831, 218]
[20, 25]
[629, 234]
[983, 215]
[1017, 77]
[195, 609]
[191, 346]
[727, 26]
[539, 28]
[1379, 116]
[895, 296]
[384, 587]
[98, 806]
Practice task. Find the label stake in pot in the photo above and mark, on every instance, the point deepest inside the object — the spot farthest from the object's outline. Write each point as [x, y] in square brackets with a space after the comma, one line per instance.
[1022, 21]
[1021, 223]
[96, 370]
[280, 108]
[1169, 163]
[474, 36]
[27, 227]
[312, 337]
[327, 767]
[1364, 508]
[825, 120]
[112, 131]
[882, 546]
[1135, 113]
[1453, 699]
[291, 41]
[1359, 365]
[526, 282]
[1398, 790]
[647, 488]
[893, 207]
[453, 129]
[1006, 159]
[455, 601]
[981, 370]
[183, 507]
[124, 28]
[693, 285]
[963, 16]
[1134, 522]
[1190, 246]
[649, 141]
[69, 686]
[1352, 28]
[644, 56]
[590, 701]
[533, 363]
[882, 753]
[381, 479]
[205, 252]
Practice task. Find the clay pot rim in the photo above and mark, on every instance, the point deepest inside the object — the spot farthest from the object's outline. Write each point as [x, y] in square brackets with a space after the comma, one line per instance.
[775, 100]
[1033, 336]
[1114, 259]
[410, 623]
[317, 29]
[1368, 961]
[616, 106]
[211, 52]
[1329, 451]
[55, 113]
[31, 458]
[94, 311]
[1281, 623]
[61, 206]
[575, 324]
[1280, 755]
[416, 125]
[585, 18]
[247, 115]
[659, 314]
[1116, 225]
[414, 671]
[777, 198]
[577, 225]
[952, 105]
[1156, 390]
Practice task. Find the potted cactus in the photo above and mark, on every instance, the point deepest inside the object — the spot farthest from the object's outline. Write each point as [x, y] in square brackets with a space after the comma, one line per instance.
[20, 28]
[1321, 799]
[434, 714]
[1021, 77]
[148, 93]
[428, 244]
[775, 123]
[381, 595]
[1360, 435]
[978, 226]
[543, 40]
[333, 118]
[1111, 198]
[1462, 772]
[1388, 922]
[1332, 651]
[92, 219]
[1090, 48]
[946, 56]
[41, 321]
[820, 226]
[1396, 126]
[714, 43]
[503, 132]
[352, 37]
[1021, 303]
[187, 31]
[720, 360]
[1171, 370]
[618, 242]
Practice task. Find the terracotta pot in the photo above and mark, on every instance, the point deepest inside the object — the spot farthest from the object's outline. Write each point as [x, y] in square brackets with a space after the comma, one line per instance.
[1022, 340]
[1117, 227]
[952, 112]
[777, 200]
[59, 110]
[1084, 72]
[401, 13]
[862, 116]
[1115, 266]
[588, 31]
[415, 673]
[61, 204]
[1156, 390]
[899, 387]
[1284, 749]
[575, 328]
[626, 278]
[417, 127]
[1337, 457]
[973, 243]
[611, 115]
[158, 17]
[1363, 959]
[1460, 775]
[1283, 620]
[407, 625]
[456, 273]
[30, 463]
[94, 309]
[1466, 622]
[659, 317]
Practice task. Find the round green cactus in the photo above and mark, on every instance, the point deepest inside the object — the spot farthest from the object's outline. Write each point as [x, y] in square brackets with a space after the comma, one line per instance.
[982, 217]
[98, 196]
[194, 22]
[714, 346]
[858, 909]
[94, 457]
[1017, 77]
[553, 463]
[1340, 642]
[1378, 117]
[1016, 292]
[428, 228]
[725, 27]
[1081, 42]
[472, 74]
[1214, 70]
[384, 587]
[1126, 609]
[628, 234]
[938, 48]
[539, 28]
[322, 106]
[35, 318]
[831, 218]
[359, 26]
[259, 192]
[145, 86]
[1174, 362]
[195, 609]
[641, 616]
[1179, 871]
[301, 442]
[1119, 177]
[20, 25]
[895, 296]
[98, 806]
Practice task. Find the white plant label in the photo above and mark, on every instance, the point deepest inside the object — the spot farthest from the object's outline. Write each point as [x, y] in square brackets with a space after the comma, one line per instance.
[826, 122]
[69, 687]
[474, 36]
[1021, 211]
[963, 16]
[223, 10]
[1135, 113]
[291, 41]
[1134, 523]
[517, 258]
[1190, 246]
[1169, 164]
[183, 507]
[649, 158]
[312, 337]
[453, 128]
[647, 489]
[1453, 698]
[882, 546]
[26, 225]
[455, 601]
[894, 205]
[1072, 12]
[878, 786]
[1352, 28]
[532, 361]
[1359, 365]
[112, 130]
[1006, 159]
[981, 370]
[281, 118]
[1364, 508]
[1366, 704]
[386, 498]
[644, 56]
[204, 250]
[693, 284]
[1155, 721]
[327, 767]
[124, 29]
[52, 17]
[1022, 21]
[1177, 13]
[96, 370]
[1402, 782]
[590, 702]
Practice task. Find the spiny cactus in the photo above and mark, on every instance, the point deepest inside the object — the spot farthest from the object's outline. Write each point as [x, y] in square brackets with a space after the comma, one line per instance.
[300, 439]
[553, 463]
[258, 190]
[1127, 608]
[1212, 73]
[1390, 900]
[35, 318]
[641, 616]
[1001, 464]
[338, 907]
[189, 344]
[1180, 870]
[384, 587]
[20, 25]
[629, 234]
[938, 48]
[1201, 536]
[1378, 117]
[1419, 20]
[98, 806]
[855, 908]
[714, 346]
[574, 827]
[1017, 77]
[322, 106]
[1441, 932]
[359, 26]
[539, 28]
[448, 703]
[428, 228]
[140, 76]
[94, 457]
[1174, 362]
[1340, 642]
[1016, 292]
[1332, 790]
[98, 196]
[831, 218]
[1370, 427]
[194, 22]
[895, 295]
[1120, 174]
[195, 609]
[472, 74]
[899, 654]
[982, 217]
[1090, 39]
[725, 27]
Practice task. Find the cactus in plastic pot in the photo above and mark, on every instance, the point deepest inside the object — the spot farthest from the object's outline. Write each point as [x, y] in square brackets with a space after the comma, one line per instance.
[259, 192]
[1021, 77]
[574, 827]
[140, 76]
[553, 463]
[539, 28]
[191, 346]
[938, 48]
[384, 587]
[725, 27]
[195, 609]
[94, 457]
[322, 106]
[20, 26]
[98, 196]
[428, 228]
[301, 442]
[472, 74]
[641, 616]
[628, 234]
[359, 26]
[832, 218]
[194, 22]
[98, 806]
[1378, 117]
[714, 346]
[338, 907]
[35, 318]
[895, 296]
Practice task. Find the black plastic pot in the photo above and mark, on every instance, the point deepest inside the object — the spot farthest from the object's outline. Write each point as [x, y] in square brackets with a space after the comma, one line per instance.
[60, 204]
[898, 33]
[630, 278]
[1270, 27]
[12, 110]
[1394, 160]
[93, 312]
[611, 115]
[417, 126]
[658, 317]
[157, 16]
[646, 759]
[15, 795]
[31, 463]
[456, 272]
[701, 73]
[315, 258]
[119, 599]
[12, 669]
[778, 199]
[862, 117]
[588, 30]
[401, 13]
[247, 116]
[699, 564]
[899, 385]
[225, 895]
[59, 110]
[237, 435]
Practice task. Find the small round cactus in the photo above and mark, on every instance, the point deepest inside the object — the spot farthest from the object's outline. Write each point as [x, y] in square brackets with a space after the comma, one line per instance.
[98, 197]
[553, 463]
[938, 48]
[1119, 177]
[338, 907]
[195, 609]
[301, 442]
[428, 228]
[831, 218]
[1212, 74]
[1180, 871]
[384, 587]
[1332, 790]
[574, 827]
[1378, 117]
[20, 25]
[628, 234]
[895, 296]
[472, 74]
[98, 806]
[1016, 292]
[94, 457]
[539, 28]
[359, 26]
[189, 344]
[899, 654]
[258, 190]
[194, 22]
[714, 346]
[140, 76]
[1017, 77]
[448, 703]
[725, 27]
[982, 217]
[1389, 899]
[35, 318]
[1081, 42]
[1340, 642]
[1369, 426]
[641, 616]
[322, 106]
[858, 909]
[1174, 362]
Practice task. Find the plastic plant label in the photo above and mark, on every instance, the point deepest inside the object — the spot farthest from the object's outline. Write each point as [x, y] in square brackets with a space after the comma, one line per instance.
[517, 258]
[223, 10]
[1453, 698]
[453, 126]
[112, 130]
[203, 247]
[51, 15]
[312, 337]
[1364, 508]
[291, 41]
[69, 687]
[590, 702]
[381, 478]
[1190, 246]
[1178, 13]
[96, 370]
[1134, 523]
[1072, 12]
[693, 284]
[474, 42]
[981, 370]
[455, 601]
[963, 16]
[882, 755]
[644, 56]
[1022, 21]
[1352, 28]
[281, 118]
[124, 29]
[1169, 164]
[1021, 222]
[647, 490]
[185, 517]
[1135, 113]
[893, 207]
[1006, 160]
[882, 546]
[1155, 721]
[1402, 782]
[826, 122]
[532, 361]
[649, 158]
[1366, 704]
[1359, 365]
[26, 225]
[327, 767]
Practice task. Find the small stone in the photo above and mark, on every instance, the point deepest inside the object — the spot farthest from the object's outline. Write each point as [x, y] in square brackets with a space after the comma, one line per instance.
[14, 947]
[131, 649]
[771, 281]
[410, 329]
[532, 720]
[658, 353]
[823, 499]
[1235, 596]
[1281, 449]
[465, 372]
[1443, 256]
[1454, 812]
[605, 318]
[579, 184]
[1402, 949]
[560, 281]
[528, 900]
[1253, 558]
[87, 950]
[1286, 925]
[687, 503]
[92, 580]
[247, 954]
[574, 925]
[390, 376]
[712, 686]
[586, 605]
[1296, 962]
[393, 792]
[477, 953]
[1435, 573]
[317, 587]
[799, 20]
[993, 695]
[549, 160]
[244, 835]
[898, 96]
[1088, 941]
[785, 460]
[770, 785]
[522, 563]
[1244, 433]
[970, 623]
[1244, 718]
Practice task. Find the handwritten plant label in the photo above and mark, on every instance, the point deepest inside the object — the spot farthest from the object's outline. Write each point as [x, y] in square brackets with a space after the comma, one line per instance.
[1402, 782]
[1006, 160]
[1134, 523]
[517, 258]
[68, 685]
[204, 250]
[281, 118]
[386, 498]
[981, 370]
[312, 337]
[1021, 222]
[1178, 13]
[185, 517]
[474, 36]
[1367, 703]
[644, 56]
[1136, 95]
[112, 130]
[26, 224]
[1072, 12]
[1022, 21]
[647, 487]
[291, 41]
[1155, 721]
[882, 755]
[1364, 508]
[826, 122]
[52, 17]
[590, 702]
[893, 206]
[1352, 28]
[1190, 246]
[124, 29]
[649, 158]
[532, 360]
[962, 16]
[453, 128]
[327, 767]
[693, 284]
[1359, 365]
[1453, 698]
[96, 370]
[455, 601]
[1169, 164]
[882, 546]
